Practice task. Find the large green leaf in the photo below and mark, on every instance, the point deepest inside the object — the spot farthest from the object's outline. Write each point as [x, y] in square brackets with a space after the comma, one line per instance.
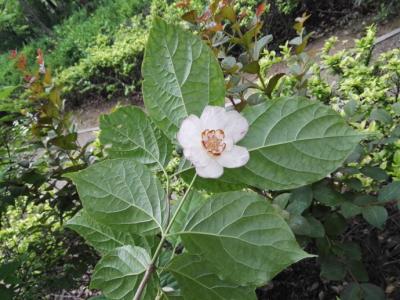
[100, 236]
[193, 202]
[300, 200]
[181, 76]
[375, 215]
[6, 91]
[118, 273]
[292, 142]
[123, 194]
[197, 282]
[186, 171]
[390, 192]
[242, 236]
[130, 133]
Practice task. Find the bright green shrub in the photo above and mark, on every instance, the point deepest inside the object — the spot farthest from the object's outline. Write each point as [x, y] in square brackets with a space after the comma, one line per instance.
[79, 32]
[112, 65]
[44, 257]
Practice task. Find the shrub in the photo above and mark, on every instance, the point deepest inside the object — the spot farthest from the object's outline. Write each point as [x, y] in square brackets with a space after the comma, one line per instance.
[111, 66]
[44, 258]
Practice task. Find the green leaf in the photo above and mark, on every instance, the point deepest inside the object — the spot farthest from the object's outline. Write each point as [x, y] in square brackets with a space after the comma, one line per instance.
[192, 203]
[100, 297]
[350, 108]
[335, 224]
[381, 115]
[352, 291]
[118, 274]
[390, 192]
[348, 250]
[8, 273]
[357, 269]
[66, 142]
[300, 200]
[243, 237]
[375, 173]
[364, 200]
[181, 76]
[396, 109]
[317, 230]
[123, 194]
[252, 68]
[375, 215]
[281, 200]
[130, 133]
[326, 195]
[210, 185]
[198, 282]
[292, 142]
[273, 81]
[349, 210]
[260, 45]
[306, 226]
[6, 91]
[372, 292]
[364, 291]
[102, 237]
[332, 268]
[6, 293]
[354, 184]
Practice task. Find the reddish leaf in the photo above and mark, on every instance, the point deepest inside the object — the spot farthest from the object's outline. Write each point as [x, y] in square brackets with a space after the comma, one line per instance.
[40, 58]
[183, 4]
[21, 63]
[227, 12]
[205, 16]
[40, 61]
[261, 9]
[13, 54]
[27, 78]
[243, 14]
[190, 16]
[215, 27]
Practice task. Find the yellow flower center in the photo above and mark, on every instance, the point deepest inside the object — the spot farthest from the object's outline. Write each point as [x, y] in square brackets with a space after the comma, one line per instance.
[213, 141]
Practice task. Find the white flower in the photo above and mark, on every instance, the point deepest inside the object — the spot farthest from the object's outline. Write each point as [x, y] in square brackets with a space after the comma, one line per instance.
[209, 141]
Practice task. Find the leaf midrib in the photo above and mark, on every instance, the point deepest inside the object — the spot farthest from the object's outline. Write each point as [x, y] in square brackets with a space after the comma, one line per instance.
[123, 200]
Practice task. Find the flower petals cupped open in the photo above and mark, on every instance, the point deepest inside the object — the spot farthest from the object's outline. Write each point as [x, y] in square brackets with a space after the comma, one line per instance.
[209, 141]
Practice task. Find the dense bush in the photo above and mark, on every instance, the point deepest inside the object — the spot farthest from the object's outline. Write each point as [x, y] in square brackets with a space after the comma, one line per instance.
[80, 44]
[111, 66]
[38, 145]
[38, 257]
[71, 40]
[23, 21]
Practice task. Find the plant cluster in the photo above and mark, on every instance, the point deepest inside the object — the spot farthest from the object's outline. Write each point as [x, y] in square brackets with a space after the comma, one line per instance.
[38, 146]
[233, 239]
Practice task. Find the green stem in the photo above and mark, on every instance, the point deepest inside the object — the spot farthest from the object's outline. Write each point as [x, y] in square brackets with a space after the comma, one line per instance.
[262, 80]
[150, 270]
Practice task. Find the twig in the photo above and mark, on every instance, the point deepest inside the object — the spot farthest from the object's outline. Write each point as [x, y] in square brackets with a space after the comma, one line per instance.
[151, 268]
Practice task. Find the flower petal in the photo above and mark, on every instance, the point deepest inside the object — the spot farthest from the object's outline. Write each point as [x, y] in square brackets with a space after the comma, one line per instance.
[236, 125]
[213, 117]
[197, 155]
[235, 158]
[228, 143]
[189, 133]
[212, 170]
